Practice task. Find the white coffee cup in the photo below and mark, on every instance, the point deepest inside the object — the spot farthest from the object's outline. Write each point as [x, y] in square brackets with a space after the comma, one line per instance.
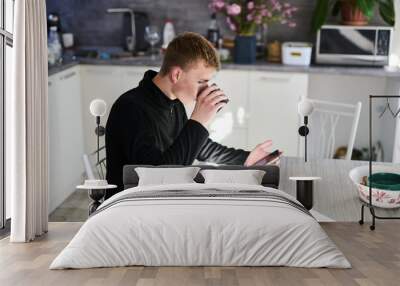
[68, 40]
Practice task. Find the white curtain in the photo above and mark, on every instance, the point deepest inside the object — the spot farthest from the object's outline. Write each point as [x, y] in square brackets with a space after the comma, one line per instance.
[26, 124]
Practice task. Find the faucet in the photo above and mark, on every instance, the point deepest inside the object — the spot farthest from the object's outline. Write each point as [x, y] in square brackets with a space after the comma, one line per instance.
[132, 45]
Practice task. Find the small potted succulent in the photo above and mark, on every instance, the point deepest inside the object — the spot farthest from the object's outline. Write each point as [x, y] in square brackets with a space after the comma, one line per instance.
[244, 16]
[353, 12]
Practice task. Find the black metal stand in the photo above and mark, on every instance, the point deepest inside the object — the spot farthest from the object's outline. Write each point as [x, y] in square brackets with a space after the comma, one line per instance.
[97, 195]
[304, 193]
[303, 131]
[369, 204]
[98, 139]
[304, 190]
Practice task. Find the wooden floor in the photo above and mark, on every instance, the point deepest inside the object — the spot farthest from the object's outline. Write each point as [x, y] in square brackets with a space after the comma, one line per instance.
[374, 255]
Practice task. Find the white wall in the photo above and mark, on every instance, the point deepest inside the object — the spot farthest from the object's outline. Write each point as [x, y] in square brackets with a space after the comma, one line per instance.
[349, 89]
[393, 84]
[395, 56]
[388, 124]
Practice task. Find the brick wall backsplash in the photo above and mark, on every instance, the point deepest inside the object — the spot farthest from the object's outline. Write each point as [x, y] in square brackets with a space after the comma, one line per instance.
[92, 26]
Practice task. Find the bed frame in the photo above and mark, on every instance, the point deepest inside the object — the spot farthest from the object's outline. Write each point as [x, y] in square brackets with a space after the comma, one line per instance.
[270, 179]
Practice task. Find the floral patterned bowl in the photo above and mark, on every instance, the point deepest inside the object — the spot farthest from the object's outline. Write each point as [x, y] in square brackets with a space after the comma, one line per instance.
[380, 198]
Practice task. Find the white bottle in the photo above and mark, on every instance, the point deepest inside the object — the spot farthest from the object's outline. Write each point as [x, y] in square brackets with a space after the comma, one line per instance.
[168, 34]
[54, 46]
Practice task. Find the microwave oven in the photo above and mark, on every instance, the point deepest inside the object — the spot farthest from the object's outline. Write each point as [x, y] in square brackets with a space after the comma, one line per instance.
[353, 45]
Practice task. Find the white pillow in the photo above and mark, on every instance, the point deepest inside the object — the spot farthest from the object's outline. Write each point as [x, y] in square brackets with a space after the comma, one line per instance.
[248, 177]
[163, 176]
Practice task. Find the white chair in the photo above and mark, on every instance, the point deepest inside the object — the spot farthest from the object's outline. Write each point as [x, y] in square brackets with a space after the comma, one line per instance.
[324, 121]
[88, 167]
[93, 170]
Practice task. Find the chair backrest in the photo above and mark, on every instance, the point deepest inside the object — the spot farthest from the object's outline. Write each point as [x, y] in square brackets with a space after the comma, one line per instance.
[101, 166]
[88, 167]
[93, 169]
[327, 118]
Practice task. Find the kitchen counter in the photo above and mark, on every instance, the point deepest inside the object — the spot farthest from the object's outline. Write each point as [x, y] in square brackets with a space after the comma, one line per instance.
[61, 67]
[258, 66]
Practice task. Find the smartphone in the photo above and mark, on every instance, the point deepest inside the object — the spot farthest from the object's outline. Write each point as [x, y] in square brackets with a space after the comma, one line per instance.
[268, 158]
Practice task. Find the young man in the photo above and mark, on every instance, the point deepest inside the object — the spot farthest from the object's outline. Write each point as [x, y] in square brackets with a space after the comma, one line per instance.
[148, 124]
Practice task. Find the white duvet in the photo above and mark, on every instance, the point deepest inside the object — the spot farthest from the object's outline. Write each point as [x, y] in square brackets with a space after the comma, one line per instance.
[200, 231]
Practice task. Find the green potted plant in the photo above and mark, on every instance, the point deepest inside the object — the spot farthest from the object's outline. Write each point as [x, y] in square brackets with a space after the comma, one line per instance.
[353, 12]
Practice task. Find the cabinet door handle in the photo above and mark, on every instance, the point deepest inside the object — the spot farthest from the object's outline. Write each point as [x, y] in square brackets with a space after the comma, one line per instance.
[68, 75]
[274, 79]
[101, 71]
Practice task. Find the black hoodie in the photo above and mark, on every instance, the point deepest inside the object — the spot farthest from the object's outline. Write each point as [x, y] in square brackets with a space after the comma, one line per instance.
[146, 127]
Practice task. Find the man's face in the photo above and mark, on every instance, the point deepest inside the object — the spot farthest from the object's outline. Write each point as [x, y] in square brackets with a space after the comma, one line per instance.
[192, 80]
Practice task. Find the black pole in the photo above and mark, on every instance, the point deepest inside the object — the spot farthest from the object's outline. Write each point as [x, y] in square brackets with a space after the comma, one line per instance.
[98, 139]
[304, 193]
[369, 203]
[370, 148]
[305, 138]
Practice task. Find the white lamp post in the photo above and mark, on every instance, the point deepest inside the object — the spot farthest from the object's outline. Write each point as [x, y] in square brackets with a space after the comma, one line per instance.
[305, 107]
[98, 108]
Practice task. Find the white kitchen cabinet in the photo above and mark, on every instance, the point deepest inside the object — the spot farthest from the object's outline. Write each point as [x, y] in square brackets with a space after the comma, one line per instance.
[273, 99]
[107, 83]
[229, 126]
[235, 84]
[66, 141]
[103, 82]
[131, 76]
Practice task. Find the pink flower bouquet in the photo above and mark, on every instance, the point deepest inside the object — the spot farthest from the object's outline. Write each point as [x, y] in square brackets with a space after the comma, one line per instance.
[243, 16]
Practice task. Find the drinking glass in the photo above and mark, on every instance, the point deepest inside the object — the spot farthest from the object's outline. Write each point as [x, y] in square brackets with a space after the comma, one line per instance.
[152, 36]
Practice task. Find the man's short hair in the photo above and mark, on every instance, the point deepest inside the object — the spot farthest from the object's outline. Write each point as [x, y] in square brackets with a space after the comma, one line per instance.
[187, 48]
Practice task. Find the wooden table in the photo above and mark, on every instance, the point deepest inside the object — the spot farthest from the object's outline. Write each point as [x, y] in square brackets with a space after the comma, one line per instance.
[96, 193]
[304, 190]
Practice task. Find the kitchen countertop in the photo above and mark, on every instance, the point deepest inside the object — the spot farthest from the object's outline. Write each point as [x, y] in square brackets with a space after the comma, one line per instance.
[258, 66]
[61, 67]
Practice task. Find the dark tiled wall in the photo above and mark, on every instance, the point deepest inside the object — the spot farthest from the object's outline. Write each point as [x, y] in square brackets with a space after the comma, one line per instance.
[92, 26]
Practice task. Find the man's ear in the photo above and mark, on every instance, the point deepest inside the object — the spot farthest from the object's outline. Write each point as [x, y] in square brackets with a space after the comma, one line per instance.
[175, 74]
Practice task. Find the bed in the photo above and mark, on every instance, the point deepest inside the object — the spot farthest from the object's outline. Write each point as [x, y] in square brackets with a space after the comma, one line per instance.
[199, 224]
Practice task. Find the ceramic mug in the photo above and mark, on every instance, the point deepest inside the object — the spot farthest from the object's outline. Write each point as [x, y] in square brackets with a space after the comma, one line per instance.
[68, 40]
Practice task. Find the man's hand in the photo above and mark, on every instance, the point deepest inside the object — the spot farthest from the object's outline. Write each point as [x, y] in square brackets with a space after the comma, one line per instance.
[259, 152]
[208, 103]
